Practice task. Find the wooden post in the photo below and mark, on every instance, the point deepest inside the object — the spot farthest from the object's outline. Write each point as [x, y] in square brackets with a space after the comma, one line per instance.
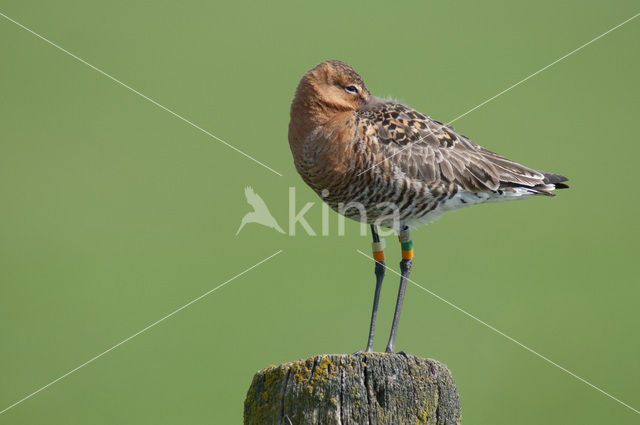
[364, 388]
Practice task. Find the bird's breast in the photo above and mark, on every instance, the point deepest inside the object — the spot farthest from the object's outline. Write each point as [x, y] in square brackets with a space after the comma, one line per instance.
[325, 154]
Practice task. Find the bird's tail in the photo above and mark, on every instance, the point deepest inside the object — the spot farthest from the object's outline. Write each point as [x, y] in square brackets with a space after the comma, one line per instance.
[550, 182]
[556, 180]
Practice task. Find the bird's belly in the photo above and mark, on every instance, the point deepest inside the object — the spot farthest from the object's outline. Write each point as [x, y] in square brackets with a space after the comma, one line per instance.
[408, 204]
[452, 202]
[387, 204]
[461, 199]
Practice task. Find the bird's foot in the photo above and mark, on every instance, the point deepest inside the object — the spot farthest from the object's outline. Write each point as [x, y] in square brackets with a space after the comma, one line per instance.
[399, 353]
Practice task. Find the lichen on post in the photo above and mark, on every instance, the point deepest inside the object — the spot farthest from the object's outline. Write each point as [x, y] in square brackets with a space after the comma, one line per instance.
[364, 388]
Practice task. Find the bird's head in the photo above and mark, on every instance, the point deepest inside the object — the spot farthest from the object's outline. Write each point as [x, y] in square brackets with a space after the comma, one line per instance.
[326, 99]
[331, 86]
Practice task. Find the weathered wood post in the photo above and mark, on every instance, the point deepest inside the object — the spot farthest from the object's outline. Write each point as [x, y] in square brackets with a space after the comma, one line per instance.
[364, 388]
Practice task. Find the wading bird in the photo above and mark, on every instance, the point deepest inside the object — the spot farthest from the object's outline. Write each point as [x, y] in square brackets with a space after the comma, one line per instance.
[400, 167]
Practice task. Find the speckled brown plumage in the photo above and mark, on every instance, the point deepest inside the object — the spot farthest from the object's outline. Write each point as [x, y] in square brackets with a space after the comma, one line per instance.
[352, 147]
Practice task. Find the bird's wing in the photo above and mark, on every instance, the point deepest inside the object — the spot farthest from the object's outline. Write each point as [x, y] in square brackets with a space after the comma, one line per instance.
[430, 151]
[254, 199]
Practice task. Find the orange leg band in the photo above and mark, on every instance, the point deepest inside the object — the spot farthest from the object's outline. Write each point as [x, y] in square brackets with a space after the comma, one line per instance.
[407, 255]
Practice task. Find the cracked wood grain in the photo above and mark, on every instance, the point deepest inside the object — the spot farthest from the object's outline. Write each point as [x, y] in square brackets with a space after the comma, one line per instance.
[363, 388]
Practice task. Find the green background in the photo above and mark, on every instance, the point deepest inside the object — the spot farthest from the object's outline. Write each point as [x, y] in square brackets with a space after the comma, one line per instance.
[115, 213]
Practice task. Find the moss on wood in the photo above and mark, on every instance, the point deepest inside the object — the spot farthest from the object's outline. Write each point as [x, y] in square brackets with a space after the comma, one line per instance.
[364, 388]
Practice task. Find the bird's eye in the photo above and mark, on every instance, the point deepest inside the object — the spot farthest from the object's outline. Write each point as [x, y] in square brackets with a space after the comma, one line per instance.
[351, 89]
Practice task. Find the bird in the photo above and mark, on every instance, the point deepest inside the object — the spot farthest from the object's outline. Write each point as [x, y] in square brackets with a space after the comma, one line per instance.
[260, 213]
[383, 163]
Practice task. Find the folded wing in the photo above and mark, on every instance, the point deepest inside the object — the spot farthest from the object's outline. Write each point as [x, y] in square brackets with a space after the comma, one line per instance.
[430, 151]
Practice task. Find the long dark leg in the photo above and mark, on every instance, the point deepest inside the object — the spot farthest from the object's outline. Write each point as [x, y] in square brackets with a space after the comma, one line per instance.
[405, 269]
[378, 255]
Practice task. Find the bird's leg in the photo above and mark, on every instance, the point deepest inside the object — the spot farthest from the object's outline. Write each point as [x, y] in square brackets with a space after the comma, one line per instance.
[405, 269]
[378, 256]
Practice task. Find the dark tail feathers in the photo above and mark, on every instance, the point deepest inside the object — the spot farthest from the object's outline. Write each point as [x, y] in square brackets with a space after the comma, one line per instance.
[556, 179]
